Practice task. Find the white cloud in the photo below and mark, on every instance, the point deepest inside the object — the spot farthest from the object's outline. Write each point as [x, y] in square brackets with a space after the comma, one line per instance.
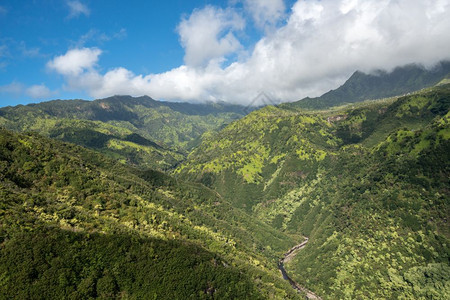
[38, 91]
[318, 47]
[265, 12]
[17, 89]
[29, 51]
[208, 34]
[121, 34]
[94, 35]
[14, 88]
[75, 61]
[76, 8]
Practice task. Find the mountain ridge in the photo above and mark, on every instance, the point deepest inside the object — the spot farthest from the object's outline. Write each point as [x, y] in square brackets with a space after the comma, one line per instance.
[182, 107]
[77, 216]
[378, 84]
[367, 183]
[136, 130]
[351, 179]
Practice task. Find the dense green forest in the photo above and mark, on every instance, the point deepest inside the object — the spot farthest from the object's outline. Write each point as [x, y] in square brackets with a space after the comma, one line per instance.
[367, 183]
[133, 198]
[139, 131]
[77, 224]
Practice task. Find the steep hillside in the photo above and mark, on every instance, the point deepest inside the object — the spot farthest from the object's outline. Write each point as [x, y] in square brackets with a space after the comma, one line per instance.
[75, 224]
[381, 84]
[368, 184]
[140, 131]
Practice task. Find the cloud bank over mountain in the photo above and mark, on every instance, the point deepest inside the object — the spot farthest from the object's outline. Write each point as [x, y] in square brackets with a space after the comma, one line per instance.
[304, 51]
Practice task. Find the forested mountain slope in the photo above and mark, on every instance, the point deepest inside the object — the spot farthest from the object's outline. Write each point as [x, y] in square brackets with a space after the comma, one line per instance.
[140, 131]
[75, 224]
[380, 84]
[369, 184]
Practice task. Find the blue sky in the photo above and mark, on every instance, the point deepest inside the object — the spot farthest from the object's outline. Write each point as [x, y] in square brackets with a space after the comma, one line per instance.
[138, 35]
[208, 50]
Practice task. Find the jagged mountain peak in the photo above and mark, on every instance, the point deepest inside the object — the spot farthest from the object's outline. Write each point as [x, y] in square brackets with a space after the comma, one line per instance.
[379, 84]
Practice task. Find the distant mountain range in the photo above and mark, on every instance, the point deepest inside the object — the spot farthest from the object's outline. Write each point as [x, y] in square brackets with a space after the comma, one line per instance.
[137, 130]
[379, 84]
[156, 134]
[201, 201]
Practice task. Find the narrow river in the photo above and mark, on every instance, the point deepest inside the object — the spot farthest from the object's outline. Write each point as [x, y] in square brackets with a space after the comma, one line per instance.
[286, 258]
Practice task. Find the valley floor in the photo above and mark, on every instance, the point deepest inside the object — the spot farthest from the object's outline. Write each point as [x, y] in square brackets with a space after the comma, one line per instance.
[288, 256]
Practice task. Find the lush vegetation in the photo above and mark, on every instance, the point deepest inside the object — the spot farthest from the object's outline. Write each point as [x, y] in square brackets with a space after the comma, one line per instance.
[368, 185]
[138, 131]
[50, 263]
[76, 225]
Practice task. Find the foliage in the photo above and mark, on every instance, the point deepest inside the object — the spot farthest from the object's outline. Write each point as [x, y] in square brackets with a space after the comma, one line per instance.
[138, 131]
[367, 183]
[75, 201]
[374, 204]
[50, 263]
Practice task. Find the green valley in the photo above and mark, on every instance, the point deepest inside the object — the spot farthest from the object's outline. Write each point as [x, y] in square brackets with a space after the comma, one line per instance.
[132, 198]
[225, 150]
[82, 225]
[138, 131]
[368, 184]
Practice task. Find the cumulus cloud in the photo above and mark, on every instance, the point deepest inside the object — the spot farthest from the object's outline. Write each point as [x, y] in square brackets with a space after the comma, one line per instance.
[17, 89]
[76, 8]
[75, 61]
[38, 91]
[208, 34]
[265, 12]
[319, 45]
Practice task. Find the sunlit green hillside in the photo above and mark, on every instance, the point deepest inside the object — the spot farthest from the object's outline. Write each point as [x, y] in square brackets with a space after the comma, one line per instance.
[139, 131]
[75, 224]
[368, 185]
